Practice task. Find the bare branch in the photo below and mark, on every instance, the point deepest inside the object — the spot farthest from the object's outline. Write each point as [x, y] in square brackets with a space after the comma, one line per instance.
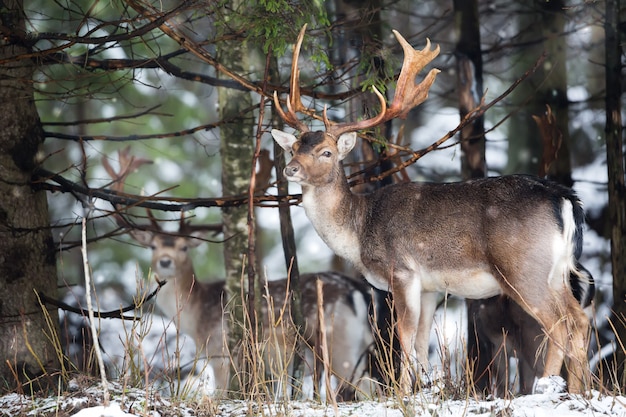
[155, 202]
[469, 118]
[113, 314]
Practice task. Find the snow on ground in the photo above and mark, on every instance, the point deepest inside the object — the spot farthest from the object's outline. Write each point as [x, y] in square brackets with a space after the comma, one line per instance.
[133, 402]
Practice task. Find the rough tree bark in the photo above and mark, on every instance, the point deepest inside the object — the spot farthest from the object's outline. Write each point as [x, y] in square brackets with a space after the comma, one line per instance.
[27, 258]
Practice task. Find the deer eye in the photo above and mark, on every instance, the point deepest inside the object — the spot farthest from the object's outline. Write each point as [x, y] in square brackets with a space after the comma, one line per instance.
[326, 154]
[184, 248]
[153, 247]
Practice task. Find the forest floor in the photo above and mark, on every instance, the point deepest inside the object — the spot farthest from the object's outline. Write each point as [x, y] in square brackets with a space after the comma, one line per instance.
[88, 402]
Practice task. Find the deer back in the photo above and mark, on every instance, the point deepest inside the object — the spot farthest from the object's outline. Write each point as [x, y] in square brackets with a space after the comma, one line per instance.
[486, 226]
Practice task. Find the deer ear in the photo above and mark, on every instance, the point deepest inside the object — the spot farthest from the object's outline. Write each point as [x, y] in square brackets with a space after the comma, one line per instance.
[144, 237]
[345, 143]
[197, 238]
[284, 139]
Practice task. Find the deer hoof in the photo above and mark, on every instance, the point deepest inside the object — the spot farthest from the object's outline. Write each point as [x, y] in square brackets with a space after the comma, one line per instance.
[553, 384]
[434, 378]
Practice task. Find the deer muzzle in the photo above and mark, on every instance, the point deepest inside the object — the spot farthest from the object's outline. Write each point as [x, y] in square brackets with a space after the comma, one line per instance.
[291, 171]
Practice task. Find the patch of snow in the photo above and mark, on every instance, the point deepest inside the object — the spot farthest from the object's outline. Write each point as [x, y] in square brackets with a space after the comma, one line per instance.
[112, 410]
[550, 385]
[133, 402]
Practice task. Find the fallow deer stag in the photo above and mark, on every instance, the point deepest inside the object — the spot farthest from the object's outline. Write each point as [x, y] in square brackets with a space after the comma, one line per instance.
[197, 308]
[515, 235]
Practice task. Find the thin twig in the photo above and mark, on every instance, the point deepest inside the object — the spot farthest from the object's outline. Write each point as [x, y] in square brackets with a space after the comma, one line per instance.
[324, 345]
[92, 321]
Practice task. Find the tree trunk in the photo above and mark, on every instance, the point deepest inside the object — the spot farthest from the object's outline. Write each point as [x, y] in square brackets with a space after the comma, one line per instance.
[539, 32]
[237, 151]
[27, 257]
[554, 90]
[360, 39]
[617, 190]
[469, 67]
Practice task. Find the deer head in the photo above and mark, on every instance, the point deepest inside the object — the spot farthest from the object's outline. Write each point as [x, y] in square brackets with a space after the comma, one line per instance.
[338, 139]
[516, 235]
[170, 252]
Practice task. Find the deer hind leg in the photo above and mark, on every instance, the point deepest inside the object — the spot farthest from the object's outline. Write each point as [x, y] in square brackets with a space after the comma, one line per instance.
[576, 361]
[565, 326]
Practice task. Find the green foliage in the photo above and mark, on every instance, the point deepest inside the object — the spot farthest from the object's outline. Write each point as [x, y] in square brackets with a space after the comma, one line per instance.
[274, 24]
[274, 15]
[375, 74]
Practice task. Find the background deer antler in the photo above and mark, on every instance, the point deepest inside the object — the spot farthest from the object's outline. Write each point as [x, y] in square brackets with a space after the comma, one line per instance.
[127, 165]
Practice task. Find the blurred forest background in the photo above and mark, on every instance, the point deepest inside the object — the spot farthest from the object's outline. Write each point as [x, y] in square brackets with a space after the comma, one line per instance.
[188, 86]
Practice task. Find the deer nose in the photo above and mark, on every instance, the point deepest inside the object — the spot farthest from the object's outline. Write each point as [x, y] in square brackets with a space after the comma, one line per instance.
[291, 170]
[165, 263]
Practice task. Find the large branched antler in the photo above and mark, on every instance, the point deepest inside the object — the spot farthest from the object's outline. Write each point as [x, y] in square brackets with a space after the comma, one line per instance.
[294, 102]
[128, 164]
[408, 94]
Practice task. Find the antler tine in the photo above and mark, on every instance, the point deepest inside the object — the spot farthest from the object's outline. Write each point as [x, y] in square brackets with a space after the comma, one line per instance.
[411, 94]
[153, 221]
[294, 102]
[182, 224]
[408, 94]
[128, 164]
[185, 228]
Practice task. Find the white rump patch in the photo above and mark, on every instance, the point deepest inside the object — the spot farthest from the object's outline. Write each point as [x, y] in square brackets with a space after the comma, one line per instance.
[563, 249]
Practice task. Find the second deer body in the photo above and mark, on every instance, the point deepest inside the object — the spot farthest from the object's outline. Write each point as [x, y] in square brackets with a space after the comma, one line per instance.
[198, 310]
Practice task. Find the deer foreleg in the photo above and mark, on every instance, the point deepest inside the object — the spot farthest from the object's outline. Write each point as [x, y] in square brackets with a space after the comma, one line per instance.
[407, 301]
[427, 312]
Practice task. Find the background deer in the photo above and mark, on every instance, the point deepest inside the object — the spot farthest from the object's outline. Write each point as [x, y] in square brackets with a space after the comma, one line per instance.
[513, 235]
[506, 331]
[198, 308]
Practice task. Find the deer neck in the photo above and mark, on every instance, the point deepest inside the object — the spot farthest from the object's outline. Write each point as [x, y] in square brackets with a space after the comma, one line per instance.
[178, 294]
[184, 279]
[336, 214]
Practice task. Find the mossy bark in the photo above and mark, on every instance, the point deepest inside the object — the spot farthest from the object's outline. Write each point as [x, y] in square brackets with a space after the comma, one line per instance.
[237, 149]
